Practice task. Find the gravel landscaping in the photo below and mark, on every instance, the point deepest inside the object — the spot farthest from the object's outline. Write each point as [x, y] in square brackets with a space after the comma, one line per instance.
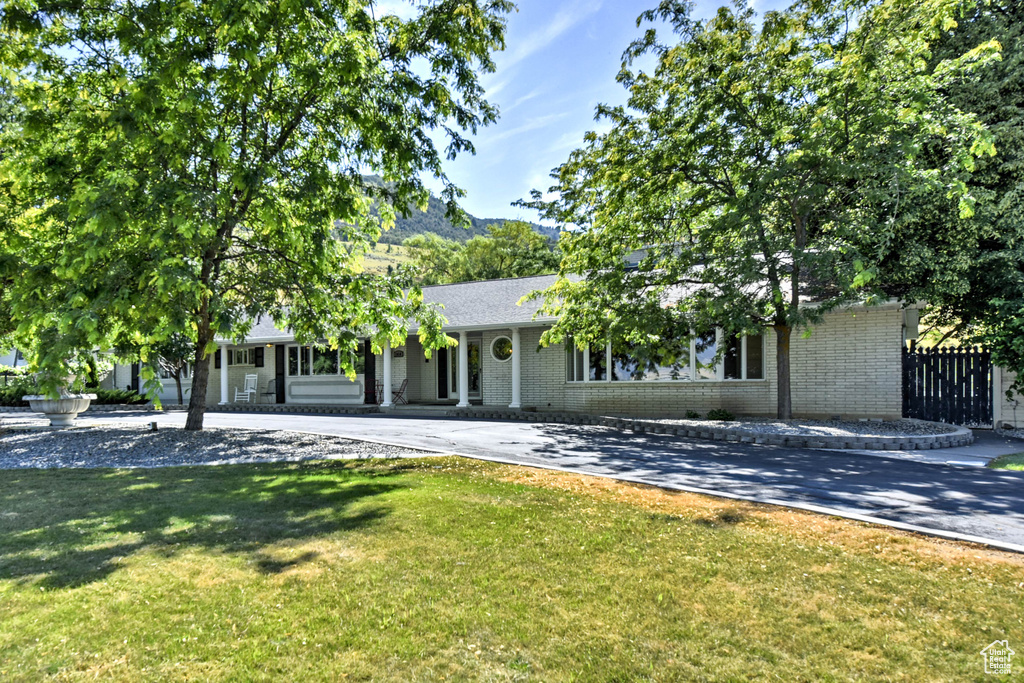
[840, 428]
[173, 446]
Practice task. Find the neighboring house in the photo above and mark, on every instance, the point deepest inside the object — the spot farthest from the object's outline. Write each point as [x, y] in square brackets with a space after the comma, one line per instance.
[12, 358]
[850, 365]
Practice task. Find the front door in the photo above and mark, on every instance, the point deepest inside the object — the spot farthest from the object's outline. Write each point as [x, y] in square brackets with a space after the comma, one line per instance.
[448, 371]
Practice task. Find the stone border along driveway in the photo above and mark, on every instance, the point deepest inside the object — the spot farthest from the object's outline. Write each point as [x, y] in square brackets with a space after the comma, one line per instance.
[961, 436]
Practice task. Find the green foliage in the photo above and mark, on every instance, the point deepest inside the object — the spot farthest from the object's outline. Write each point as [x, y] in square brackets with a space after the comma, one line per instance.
[692, 415]
[184, 168]
[117, 397]
[511, 249]
[747, 166]
[970, 270]
[15, 388]
[720, 414]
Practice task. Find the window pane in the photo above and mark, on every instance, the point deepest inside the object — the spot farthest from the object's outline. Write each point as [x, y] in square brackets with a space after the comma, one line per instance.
[675, 366]
[733, 358]
[325, 362]
[293, 360]
[625, 367]
[598, 364]
[755, 356]
[570, 362]
[359, 363]
[706, 349]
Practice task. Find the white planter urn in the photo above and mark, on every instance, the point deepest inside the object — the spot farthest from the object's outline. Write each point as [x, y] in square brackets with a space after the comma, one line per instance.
[61, 411]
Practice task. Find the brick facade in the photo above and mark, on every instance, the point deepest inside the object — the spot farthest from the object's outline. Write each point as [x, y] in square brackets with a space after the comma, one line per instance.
[849, 365]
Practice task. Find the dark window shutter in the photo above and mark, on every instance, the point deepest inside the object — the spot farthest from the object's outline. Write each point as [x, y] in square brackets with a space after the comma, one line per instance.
[230, 359]
[216, 359]
[257, 357]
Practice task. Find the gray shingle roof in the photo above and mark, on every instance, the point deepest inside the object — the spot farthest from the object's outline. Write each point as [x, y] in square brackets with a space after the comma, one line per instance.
[467, 305]
[264, 329]
[490, 303]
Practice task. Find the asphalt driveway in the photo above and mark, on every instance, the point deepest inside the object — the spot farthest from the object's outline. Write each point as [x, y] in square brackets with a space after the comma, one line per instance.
[960, 502]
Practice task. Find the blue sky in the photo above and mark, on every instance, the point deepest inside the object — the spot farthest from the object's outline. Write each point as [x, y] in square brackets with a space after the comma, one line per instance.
[560, 62]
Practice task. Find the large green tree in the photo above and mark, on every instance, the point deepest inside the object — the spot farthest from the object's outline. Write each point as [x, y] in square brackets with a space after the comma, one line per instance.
[970, 269]
[510, 249]
[745, 166]
[181, 166]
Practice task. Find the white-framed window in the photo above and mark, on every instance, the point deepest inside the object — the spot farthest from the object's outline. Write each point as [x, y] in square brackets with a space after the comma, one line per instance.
[311, 361]
[501, 349]
[743, 358]
[244, 356]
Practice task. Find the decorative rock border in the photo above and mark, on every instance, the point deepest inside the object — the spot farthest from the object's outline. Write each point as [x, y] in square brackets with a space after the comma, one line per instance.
[108, 408]
[293, 408]
[961, 436]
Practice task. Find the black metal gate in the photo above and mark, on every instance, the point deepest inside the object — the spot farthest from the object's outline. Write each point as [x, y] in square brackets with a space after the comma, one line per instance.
[951, 385]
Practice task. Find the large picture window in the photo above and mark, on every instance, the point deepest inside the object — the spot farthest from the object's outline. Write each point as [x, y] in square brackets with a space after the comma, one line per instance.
[742, 359]
[311, 361]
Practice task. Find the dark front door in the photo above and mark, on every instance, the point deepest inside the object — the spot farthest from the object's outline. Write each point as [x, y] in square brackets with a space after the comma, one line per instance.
[369, 374]
[279, 372]
[442, 374]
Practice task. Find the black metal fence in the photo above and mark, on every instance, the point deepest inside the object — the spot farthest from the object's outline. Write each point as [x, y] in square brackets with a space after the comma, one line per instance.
[951, 385]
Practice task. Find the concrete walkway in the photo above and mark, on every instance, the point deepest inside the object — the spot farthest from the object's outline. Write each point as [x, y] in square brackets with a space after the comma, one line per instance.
[964, 503]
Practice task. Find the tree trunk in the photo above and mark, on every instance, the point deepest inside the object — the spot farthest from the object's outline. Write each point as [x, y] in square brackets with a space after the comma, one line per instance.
[177, 381]
[785, 401]
[200, 377]
[200, 381]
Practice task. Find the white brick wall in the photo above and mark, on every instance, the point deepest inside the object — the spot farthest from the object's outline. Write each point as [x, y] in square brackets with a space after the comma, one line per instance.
[849, 366]
[1008, 411]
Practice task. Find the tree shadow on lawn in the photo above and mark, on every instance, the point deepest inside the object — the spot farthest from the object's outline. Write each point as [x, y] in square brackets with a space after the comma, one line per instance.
[68, 528]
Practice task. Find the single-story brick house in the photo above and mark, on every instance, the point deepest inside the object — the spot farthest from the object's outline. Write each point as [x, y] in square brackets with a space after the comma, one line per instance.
[849, 365]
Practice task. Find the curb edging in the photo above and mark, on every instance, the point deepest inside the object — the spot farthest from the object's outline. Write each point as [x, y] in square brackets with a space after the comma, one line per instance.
[961, 436]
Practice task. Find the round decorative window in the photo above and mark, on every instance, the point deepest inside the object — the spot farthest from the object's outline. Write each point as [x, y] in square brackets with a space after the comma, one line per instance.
[501, 349]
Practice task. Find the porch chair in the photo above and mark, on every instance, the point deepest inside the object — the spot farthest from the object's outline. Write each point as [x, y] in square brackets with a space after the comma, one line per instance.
[398, 395]
[248, 389]
[270, 393]
[378, 392]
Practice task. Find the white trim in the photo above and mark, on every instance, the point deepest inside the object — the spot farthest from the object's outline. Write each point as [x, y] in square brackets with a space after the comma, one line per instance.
[463, 370]
[224, 375]
[517, 371]
[386, 378]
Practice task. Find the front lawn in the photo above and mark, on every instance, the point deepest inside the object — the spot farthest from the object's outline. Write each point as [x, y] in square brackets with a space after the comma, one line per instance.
[435, 568]
[1013, 461]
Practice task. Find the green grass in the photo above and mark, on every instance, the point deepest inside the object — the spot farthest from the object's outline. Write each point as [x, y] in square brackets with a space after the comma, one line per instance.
[435, 568]
[1012, 461]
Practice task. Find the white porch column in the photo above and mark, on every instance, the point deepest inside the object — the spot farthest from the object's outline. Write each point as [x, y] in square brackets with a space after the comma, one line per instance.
[463, 371]
[224, 374]
[386, 402]
[517, 371]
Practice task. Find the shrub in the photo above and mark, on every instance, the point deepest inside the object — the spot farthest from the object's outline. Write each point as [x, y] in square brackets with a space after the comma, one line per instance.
[11, 395]
[17, 387]
[108, 397]
[692, 415]
[721, 414]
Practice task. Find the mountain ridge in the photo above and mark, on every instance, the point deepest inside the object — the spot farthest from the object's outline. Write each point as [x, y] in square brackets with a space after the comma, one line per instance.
[434, 220]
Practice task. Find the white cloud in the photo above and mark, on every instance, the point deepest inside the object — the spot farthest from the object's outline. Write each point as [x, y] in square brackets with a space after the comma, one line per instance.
[566, 18]
[403, 9]
[535, 123]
